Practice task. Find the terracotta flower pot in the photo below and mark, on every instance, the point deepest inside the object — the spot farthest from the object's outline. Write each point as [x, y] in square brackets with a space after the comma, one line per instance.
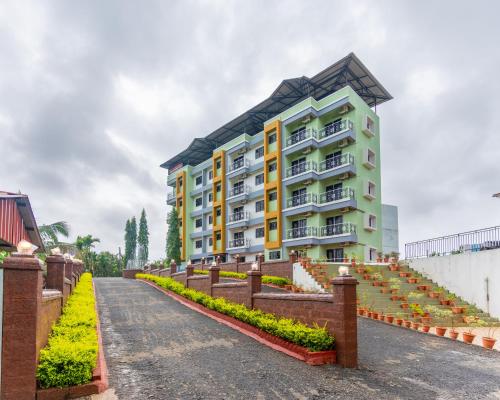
[404, 274]
[440, 331]
[366, 277]
[360, 311]
[433, 295]
[394, 298]
[404, 305]
[488, 342]
[384, 290]
[407, 324]
[453, 334]
[444, 302]
[381, 317]
[468, 337]
[389, 319]
[376, 283]
[360, 270]
[426, 320]
[412, 280]
[386, 259]
[425, 328]
[415, 325]
[394, 267]
[375, 315]
[399, 321]
[369, 314]
[457, 310]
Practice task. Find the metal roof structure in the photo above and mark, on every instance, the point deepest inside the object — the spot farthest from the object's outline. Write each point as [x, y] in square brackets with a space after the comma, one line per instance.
[349, 71]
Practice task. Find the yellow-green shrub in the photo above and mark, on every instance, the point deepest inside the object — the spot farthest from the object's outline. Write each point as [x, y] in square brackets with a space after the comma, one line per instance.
[266, 279]
[71, 352]
[313, 338]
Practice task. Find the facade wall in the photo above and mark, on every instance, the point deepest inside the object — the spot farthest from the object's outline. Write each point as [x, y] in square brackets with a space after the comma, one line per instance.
[474, 276]
[390, 229]
[327, 110]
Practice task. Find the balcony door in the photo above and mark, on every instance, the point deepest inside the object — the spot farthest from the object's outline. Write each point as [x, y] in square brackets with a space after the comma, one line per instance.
[238, 162]
[333, 127]
[299, 166]
[238, 239]
[333, 159]
[334, 225]
[298, 135]
[299, 197]
[238, 188]
[334, 192]
[238, 213]
[335, 255]
[299, 228]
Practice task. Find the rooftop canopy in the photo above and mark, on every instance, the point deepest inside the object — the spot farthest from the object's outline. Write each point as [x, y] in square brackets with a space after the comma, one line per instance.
[348, 71]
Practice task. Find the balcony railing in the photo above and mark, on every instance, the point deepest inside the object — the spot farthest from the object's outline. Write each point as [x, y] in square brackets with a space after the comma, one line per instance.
[236, 191]
[301, 199]
[334, 128]
[239, 243]
[305, 166]
[336, 194]
[243, 162]
[337, 229]
[170, 196]
[337, 161]
[302, 232]
[300, 136]
[239, 216]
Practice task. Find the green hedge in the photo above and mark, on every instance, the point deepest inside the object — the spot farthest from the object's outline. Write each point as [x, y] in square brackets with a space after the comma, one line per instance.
[314, 339]
[71, 353]
[267, 279]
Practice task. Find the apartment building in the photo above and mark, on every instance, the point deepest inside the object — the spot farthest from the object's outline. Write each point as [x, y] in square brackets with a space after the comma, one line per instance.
[299, 171]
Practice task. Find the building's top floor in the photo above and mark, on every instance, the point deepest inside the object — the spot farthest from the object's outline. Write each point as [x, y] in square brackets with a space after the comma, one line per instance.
[347, 76]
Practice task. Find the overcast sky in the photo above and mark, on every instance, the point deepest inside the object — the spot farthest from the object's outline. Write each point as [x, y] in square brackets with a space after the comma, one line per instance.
[95, 95]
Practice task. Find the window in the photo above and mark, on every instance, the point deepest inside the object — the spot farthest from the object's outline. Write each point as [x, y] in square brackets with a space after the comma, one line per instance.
[273, 196]
[368, 126]
[259, 206]
[218, 212]
[271, 167]
[210, 197]
[371, 222]
[198, 180]
[372, 254]
[335, 255]
[369, 159]
[271, 138]
[210, 175]
[209, 220]
[259, 152]
[218, 188]
[180, 202]
[370, 192]
[198, 223]
[198, 244]
[217, 236]
[274, 255]
[210, 241]
[198, 202]
[273, 225]
[259, 179]
[259, 232]
[217, 164]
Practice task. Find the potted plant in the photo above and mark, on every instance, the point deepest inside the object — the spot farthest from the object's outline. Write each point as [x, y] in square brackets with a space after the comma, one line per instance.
[377, 277]
[415, 325]
[415, 296]
[458, 309]
[367, 274]
[399, 318]
[395, 256]
[489, 340]
[407, 323]
[389, 318]
[353, 260]
[442, 314]
[379, 256]
[386, 257]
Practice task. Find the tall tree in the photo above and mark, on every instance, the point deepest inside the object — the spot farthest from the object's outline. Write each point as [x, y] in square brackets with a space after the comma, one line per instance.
[128, 244]
[133, 237]
[84, 245]
[50, 233]
[173, 238]
[143, 236]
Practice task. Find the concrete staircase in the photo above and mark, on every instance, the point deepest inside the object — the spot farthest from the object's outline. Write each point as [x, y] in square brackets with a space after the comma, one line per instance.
[391, 289]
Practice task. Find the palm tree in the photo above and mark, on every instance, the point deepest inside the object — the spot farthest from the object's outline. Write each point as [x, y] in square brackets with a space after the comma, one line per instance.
[50, 233]
[86, 242]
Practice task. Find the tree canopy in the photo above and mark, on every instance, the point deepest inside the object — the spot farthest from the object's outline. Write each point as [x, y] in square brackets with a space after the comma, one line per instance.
[143, 237]
[173, 238]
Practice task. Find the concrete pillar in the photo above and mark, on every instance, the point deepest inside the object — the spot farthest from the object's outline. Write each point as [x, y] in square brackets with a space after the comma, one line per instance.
[189, 270]
[173, 267]
[55, 272]
[254, 284]
[213, 276]
[345, 324]
[22, 299]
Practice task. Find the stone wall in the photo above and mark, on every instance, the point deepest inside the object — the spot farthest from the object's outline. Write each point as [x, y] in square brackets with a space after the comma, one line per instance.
[199, 282]
[50, 311]
[236, 292]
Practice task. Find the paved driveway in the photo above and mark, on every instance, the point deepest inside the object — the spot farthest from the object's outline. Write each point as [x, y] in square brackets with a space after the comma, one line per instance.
[157, 348]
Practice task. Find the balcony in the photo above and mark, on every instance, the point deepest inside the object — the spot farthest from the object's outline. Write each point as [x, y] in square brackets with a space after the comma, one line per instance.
[239, 194]
[304, 171]
[341, 133]
[341, 166]
[238, 220]
[238, 168]
[171, 198]
[328, 234]
[239, 244]
[301, 200]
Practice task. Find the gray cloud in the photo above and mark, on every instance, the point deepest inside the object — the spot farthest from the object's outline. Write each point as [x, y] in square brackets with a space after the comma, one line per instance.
[95, 95]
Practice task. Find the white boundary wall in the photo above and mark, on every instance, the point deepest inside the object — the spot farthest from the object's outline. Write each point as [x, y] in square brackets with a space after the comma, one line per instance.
[473, 276]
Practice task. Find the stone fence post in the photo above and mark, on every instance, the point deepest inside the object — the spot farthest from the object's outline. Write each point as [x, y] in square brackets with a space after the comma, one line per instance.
[55, 272]
[173, 267]
[345, 324]
[189, 270]
[213, 276]
[68, 271]
[254, 284]
[22, 300]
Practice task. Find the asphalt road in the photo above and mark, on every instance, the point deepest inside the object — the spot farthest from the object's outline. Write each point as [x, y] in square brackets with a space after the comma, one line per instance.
[157, 348]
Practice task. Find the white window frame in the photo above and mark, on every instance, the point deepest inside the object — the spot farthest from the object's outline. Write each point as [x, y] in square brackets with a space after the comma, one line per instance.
[366, 158]
[367, 194]
[368, 227]
[370, 132]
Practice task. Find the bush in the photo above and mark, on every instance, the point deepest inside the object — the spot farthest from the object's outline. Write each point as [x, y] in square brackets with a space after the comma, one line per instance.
[314, 339]
[267, 279]
[71, 353]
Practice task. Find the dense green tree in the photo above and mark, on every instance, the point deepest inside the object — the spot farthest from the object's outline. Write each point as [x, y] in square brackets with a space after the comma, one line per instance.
[143, 237]
[50, 234]
[130, 240]
[84, 245]
[107, 264]
[173, 238]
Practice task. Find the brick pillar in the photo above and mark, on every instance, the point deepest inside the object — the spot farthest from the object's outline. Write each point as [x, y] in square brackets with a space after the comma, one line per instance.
[254, 284]
[260, 261]
[345, 324]
[55, 272]
[213, 276]
[189, 270]
[173, 267]
[293, 257]
[237, 258]
[78, 268]
[22, 300]
[68, 271]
